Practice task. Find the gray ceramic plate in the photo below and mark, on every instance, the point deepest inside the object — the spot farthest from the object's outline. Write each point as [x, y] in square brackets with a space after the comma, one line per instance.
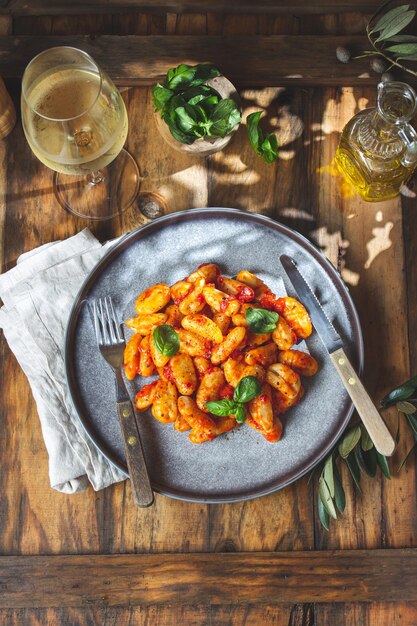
[241, 464]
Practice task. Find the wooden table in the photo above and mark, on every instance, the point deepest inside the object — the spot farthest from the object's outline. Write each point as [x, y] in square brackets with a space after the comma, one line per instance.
[94, 558]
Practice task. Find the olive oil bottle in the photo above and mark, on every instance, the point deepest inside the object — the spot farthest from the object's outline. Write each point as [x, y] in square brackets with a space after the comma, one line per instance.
[377, 152]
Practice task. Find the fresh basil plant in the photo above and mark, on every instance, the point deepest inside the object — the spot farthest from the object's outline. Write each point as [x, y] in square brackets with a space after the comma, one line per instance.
[261, 321]
[192, 109]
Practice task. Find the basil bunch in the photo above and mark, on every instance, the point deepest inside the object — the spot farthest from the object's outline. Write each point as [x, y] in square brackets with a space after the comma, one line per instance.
[248, 388]
[190, 108]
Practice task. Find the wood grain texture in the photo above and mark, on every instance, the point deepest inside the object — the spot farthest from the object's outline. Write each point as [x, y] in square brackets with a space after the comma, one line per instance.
[217, 579]
[264, 61]
[201, 615]
[59, 7]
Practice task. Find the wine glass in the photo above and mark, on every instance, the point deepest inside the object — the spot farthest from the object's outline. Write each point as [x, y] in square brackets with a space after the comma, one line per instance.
[75, 122]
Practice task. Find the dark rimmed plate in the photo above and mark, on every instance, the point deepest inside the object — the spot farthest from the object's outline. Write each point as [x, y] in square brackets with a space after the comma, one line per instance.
[241, 464]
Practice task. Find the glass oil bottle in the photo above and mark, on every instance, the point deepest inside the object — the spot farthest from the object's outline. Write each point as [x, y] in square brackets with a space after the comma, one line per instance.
[377, 152]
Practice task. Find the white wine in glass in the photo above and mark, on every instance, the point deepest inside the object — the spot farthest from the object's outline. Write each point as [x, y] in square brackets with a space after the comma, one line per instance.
[75, 122]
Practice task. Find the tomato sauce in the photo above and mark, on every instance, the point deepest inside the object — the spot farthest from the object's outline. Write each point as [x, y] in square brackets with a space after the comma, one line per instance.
[245, 294]
[227, 392]
[168, 373]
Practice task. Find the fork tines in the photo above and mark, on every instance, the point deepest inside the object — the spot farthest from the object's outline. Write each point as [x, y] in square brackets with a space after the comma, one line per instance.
[107, 328]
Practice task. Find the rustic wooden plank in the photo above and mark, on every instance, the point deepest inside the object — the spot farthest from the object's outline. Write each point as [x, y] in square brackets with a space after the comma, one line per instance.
[63, 7]
[217, 579]
[371, 614]
[243, 615]
[258, 62]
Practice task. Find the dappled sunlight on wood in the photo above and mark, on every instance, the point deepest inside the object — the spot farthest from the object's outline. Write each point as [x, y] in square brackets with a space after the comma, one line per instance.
[381, 241]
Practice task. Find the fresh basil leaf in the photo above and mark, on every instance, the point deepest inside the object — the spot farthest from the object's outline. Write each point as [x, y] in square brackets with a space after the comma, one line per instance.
[402, 392]
[203, 73]
[179, 78]
[240, 413]
[160, 96]
[184, 76]
[193, 95]
[383, 464]
[403, 49]
[366, 441]
[252, 122]
[339, 493]
[265, 147]
[328, 474]
[261, 321]
[388, 17]
[354, 470]
[225, 116]
[222, 408]
[167, 340]
[396, 25]
[247, 389]
[326, 498]
[323, 514]
[184, 119]
[349, 441]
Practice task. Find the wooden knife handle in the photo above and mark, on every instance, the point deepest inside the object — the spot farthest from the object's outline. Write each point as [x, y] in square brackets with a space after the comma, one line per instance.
[139, 478]
[374, 424]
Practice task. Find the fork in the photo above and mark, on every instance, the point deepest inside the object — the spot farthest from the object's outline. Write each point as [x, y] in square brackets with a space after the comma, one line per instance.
[111, 344]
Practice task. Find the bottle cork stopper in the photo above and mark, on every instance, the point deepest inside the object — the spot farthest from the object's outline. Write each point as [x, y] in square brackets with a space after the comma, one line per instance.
[7, 111]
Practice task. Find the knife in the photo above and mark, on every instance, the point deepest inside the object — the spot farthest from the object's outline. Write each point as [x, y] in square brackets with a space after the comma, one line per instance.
[374, 424]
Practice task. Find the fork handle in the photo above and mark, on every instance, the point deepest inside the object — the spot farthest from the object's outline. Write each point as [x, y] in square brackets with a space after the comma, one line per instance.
[374, 424]
[139, 479]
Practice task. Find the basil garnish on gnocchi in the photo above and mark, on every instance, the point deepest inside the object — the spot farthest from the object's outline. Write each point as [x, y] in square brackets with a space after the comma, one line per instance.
[261, 321]
[220, 351]
[166, 339]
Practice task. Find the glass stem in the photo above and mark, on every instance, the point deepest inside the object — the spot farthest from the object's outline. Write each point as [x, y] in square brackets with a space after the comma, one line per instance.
[96, 178]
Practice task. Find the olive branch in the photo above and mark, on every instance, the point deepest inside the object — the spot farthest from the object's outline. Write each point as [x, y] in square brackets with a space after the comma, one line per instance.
[384, 31]
[357, 451]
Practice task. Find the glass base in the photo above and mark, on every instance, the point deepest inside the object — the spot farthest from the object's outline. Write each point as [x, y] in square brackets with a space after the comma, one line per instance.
[103, 194]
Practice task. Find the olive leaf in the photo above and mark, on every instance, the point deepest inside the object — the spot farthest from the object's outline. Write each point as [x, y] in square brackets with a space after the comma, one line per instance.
[261, 321]
[406, 407]
[412, 421]
[403, 49]
[323, 514]
[366, 441]
[339, 493]
[388, 17]
[383, 464]
[354, 470]
[167, 340]
[403, 392]
[405, 459]
[366, 460]
[396, 24]
[326, 498]
[328, 474]
[349, 442]
[403, 38]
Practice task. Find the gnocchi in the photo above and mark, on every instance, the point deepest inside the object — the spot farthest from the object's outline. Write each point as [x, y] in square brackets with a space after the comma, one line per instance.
[195, 335]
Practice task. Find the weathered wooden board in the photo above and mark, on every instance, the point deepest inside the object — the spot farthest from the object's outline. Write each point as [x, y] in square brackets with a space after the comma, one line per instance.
[63, 7]
[255, 62]
[217, 578]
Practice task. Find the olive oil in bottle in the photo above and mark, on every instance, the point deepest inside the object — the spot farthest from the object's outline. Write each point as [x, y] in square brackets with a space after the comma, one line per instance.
[377, 152]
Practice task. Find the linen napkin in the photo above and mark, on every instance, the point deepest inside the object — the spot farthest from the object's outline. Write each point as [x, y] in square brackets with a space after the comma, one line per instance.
[38, 295]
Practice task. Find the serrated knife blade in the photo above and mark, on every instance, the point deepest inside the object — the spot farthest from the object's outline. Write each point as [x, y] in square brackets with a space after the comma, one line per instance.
[372, 420]
[321, 322]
